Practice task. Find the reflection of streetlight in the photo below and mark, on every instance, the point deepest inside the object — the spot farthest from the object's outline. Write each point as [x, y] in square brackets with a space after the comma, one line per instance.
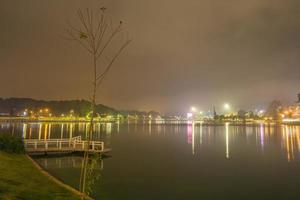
[227, 139]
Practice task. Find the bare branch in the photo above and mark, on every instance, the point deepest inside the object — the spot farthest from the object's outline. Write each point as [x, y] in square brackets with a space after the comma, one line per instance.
[100, 38]
[101, 76]
[89, 15]
[74, 28]
[92, 35]
[74, 38]
[82, 20]
[109, 41]
[99, 25]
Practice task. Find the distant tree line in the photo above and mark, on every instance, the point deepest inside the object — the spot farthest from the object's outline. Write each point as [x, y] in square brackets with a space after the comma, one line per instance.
[80, 108]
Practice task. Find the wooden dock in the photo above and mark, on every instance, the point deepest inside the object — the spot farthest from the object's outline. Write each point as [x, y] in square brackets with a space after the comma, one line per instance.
[75, 144]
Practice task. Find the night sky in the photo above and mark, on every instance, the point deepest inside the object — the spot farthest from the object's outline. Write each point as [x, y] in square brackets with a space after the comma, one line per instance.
[184, 53]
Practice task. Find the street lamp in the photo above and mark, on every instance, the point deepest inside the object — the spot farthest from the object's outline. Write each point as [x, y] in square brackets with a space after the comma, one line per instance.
[193, 109]
[226, 106]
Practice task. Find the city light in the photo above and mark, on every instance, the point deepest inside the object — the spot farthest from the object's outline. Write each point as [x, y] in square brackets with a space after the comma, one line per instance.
[189, 115]
[226, 106]
[193, 109]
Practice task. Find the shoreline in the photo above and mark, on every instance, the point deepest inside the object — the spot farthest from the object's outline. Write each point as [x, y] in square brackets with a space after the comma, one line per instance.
[22, 178]
[55, 179]
[21, 119]
[140, 121]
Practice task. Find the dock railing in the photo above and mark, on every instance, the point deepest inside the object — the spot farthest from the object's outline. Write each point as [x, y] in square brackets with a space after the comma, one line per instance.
[74, 144]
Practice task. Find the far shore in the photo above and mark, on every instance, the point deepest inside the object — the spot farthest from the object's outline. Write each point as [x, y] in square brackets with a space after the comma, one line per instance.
[141, 121]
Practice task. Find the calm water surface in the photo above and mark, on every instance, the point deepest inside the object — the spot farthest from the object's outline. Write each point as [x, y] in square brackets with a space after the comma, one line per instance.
[159, 161]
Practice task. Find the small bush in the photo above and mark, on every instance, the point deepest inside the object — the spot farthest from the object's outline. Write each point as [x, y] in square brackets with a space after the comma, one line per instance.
[11, 144]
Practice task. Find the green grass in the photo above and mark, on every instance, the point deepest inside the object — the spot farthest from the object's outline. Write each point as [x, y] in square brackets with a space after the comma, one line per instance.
[20, 179]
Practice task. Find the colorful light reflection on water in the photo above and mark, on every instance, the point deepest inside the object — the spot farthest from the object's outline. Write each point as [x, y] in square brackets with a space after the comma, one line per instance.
[181, 161]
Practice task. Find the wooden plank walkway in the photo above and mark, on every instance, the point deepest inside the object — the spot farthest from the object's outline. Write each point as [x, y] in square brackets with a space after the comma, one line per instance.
[75, 144]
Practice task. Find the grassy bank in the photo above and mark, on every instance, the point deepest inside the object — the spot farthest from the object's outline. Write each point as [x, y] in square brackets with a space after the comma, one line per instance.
[20, 179]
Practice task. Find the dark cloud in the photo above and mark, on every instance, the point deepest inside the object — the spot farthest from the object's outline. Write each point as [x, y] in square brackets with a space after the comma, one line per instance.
[200, 52]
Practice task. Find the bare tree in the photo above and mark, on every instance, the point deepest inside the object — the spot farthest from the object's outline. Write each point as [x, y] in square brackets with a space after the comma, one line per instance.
[96, 34]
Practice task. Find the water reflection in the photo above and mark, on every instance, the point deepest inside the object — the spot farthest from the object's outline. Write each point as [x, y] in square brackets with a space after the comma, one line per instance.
[43, 131]
[262, 133]
[290, 141]
[197, 135]
[65, 162]
[227, 139]
[191, 135]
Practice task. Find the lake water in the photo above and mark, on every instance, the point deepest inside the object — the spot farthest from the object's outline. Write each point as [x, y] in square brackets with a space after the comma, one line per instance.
[187, 161]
